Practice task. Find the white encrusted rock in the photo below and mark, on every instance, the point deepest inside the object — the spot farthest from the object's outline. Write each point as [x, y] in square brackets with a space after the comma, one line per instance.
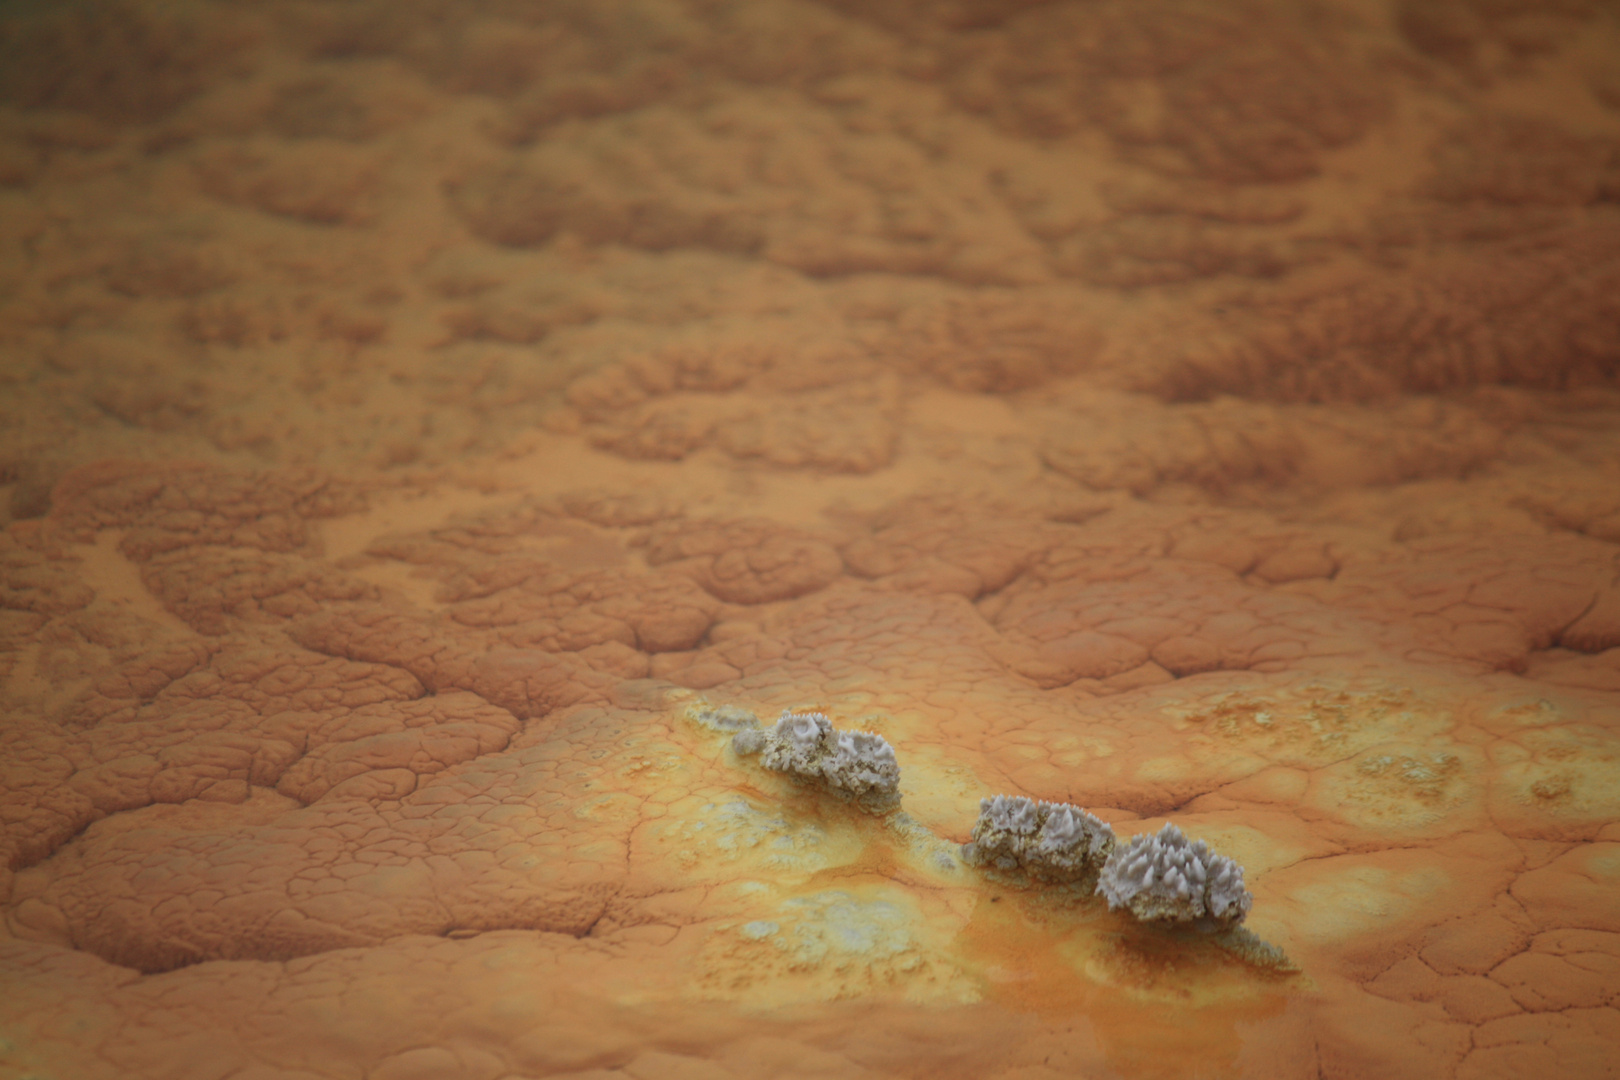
[1166, 877]
[1048, 841]
[854, 765]
[794, 743]
[860, 761]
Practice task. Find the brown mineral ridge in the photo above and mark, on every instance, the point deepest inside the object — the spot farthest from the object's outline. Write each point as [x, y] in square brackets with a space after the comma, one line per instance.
[415, 411]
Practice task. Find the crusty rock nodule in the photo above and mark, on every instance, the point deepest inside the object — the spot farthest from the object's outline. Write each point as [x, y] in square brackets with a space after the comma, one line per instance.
[1048, 841]
[854, 765]
[1166, 877]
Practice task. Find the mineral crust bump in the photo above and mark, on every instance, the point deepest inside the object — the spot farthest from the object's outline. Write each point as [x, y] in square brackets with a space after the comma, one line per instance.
[1164, 877]
[857, 766]
[1047, 841]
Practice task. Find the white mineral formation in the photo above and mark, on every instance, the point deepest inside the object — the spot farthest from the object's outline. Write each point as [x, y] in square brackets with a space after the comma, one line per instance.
[723, 717]
[1165, 877]
[854, 765]
[1048, 841]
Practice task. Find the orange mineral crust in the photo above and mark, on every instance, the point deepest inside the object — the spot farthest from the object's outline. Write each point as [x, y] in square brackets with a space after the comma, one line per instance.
[1161, 456]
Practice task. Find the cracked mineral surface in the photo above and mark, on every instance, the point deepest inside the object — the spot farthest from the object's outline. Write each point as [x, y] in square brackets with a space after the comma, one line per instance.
[413, 413]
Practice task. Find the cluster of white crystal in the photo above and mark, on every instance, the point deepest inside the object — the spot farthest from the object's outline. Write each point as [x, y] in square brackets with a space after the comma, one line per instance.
[1052, 841]
[862, 760]
[1157, 877]
[854, 764]
[1163, 876]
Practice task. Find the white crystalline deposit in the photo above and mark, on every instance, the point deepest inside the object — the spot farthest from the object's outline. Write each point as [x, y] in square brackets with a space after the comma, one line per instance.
[1049, 841]
[852, 764]
[723, 717]
[796, 743]
[734, 720]
[1163, 876]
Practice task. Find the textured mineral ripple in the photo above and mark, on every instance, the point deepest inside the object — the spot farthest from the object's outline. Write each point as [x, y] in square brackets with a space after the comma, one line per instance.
[414, 412]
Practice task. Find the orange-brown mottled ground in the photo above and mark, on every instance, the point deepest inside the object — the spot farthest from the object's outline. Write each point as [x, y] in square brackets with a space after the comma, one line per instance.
[412, 409]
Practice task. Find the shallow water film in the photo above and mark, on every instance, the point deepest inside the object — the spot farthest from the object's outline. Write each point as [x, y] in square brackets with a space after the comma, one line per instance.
[1162, 456]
